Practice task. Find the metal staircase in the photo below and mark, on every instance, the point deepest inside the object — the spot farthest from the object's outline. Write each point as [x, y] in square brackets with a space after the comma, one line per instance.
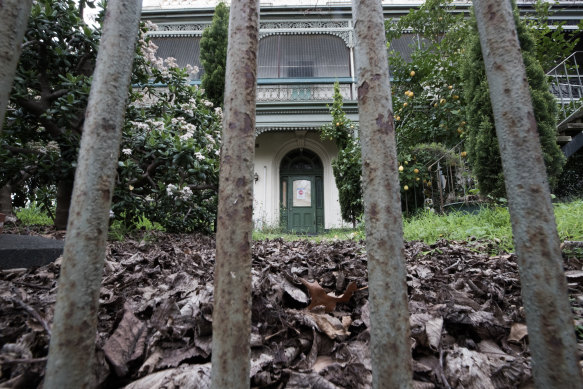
[566, 83]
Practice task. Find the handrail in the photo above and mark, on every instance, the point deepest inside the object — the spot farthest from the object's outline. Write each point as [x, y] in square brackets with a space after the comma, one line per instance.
[563, 61]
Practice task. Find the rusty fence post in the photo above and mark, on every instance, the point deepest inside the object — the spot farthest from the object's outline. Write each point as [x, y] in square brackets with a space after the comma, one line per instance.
[390, 332]
[75, 321]
[232, 277]
[13, 21]
[544, 291]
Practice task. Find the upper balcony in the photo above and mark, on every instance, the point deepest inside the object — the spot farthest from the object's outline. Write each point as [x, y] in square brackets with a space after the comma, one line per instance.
[291, 67]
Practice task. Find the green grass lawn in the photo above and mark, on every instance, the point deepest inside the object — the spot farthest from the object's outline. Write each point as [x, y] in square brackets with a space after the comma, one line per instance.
[491, 223]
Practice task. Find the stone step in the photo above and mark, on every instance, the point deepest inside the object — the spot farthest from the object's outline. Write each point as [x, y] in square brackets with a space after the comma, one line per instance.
[25, 251]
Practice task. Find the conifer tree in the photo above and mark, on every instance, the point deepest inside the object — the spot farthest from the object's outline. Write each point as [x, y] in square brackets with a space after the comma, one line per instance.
[213, 55]
[481, 142]
[347, 165]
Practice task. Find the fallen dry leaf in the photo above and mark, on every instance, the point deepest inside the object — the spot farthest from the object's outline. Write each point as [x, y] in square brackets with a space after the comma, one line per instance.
[517, 332]
[319, 296]
[127, 342]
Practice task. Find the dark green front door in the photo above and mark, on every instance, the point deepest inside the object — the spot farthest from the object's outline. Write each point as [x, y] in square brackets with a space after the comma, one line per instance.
[301, 192]
[302, 207]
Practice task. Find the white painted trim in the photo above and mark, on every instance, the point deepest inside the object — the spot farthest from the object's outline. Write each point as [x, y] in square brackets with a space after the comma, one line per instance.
[328, 178]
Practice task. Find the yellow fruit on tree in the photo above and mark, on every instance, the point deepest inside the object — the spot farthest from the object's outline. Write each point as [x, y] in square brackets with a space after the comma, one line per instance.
[412, 73]
[435, 105]
[450, 87]
[464, 154]
[406, 187]
[401, 168]
[417, 179]
[463, 124]
[459, 130]
[442, 101]
[455, 97]
[405, 104]
[429, 183]
[416, 171]
[397, 118]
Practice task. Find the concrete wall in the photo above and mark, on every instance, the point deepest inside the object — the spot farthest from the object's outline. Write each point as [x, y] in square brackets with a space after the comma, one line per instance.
[270, 148]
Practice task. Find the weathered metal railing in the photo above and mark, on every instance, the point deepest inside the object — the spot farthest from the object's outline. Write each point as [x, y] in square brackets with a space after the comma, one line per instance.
[302, 92]
[550, 325]
[13, 17]
[552, 341]
[566, 81]
[289, 90]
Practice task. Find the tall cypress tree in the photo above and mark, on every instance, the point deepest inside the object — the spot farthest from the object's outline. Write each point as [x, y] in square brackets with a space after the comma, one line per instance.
[481, 142]
[213, 55]
[347, 165]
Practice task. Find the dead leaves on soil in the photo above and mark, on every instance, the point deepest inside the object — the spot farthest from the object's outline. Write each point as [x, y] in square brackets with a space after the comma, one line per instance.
[155, 316]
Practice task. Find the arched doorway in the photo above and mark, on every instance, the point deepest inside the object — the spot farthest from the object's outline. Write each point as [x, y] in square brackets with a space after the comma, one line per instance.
[301, 192]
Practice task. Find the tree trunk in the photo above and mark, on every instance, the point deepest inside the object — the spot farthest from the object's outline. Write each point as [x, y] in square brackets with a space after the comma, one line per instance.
[6, 200]
[64, 193]
[551, 333]
[232, 293]
[389, 314]
[72, 343]
[13, 20]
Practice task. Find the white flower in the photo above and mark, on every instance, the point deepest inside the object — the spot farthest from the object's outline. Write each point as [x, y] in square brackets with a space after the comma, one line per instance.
[186, 193]
[127, 151]
[149, 198]
[186, 136]
[199, 156]
[170, 189]
[171, 62]
[208, 103]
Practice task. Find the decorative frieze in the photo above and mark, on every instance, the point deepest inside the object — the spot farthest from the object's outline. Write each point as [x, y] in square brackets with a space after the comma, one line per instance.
[339, 28]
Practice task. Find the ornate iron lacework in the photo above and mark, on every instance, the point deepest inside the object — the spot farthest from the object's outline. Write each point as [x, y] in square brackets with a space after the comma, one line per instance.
[337, 28]
[318, 24]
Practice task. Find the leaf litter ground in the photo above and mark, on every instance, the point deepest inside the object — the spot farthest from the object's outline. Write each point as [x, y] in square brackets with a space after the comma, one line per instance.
[155, 318]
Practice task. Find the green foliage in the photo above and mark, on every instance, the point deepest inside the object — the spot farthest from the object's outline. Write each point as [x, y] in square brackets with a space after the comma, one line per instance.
[33, 215]
[38, 146]
[571, 180]
[482, 143]
[552, 44]
[168, 170]
[213, 54]
[169, 160]
[426, 91]
[347, 165]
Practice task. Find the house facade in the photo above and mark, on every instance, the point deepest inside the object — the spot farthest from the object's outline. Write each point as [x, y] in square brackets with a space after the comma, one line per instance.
[305, 46]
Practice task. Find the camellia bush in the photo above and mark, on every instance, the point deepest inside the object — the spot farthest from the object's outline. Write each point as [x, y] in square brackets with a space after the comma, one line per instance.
[168, 169]
[169, 160]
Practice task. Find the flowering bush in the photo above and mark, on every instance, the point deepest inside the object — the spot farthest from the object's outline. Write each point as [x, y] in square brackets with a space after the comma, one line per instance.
[168, 167]
[169, 154]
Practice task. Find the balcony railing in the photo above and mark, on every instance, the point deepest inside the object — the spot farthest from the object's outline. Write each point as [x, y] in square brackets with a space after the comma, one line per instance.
[309, 89]
[317, 89]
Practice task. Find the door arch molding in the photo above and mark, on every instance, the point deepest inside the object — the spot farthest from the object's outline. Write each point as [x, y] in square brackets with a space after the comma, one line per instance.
[328, 178]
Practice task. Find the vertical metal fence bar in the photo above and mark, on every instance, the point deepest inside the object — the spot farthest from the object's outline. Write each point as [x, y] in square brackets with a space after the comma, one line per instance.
[390, 333]
[13, 20]
[232, 292]
[71, 351]
[544, 290]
